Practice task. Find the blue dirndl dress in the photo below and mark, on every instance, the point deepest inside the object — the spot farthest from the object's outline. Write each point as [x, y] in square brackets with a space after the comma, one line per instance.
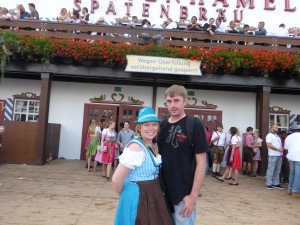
[141, 199]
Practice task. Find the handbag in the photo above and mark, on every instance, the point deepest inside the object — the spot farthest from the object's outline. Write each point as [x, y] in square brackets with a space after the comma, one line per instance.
[103, 149]
[98, 147]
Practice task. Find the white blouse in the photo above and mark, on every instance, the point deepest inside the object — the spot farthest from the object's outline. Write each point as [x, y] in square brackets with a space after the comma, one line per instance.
[133, 159]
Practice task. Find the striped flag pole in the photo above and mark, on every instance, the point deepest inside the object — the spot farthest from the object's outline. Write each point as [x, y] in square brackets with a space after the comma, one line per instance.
[293, 117]
[8, 109]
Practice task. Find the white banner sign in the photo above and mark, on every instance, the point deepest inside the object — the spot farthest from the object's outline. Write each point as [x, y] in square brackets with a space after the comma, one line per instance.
[152, 64]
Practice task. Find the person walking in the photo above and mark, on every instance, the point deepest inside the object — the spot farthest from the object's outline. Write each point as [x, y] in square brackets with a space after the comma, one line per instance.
[108, 141]
[233, 157]
[292, 144]
[184, 160]
[218, 149]
[274, 162]
[136, 178]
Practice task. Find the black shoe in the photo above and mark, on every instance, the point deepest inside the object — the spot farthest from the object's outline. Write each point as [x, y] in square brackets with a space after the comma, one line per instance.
[233, 183]
[218, 174]
[214, 174]
[278, 187]
[270, 187]
[219, 179]
[252, 175]
[86, 165]
[228, 178]
[244, 172]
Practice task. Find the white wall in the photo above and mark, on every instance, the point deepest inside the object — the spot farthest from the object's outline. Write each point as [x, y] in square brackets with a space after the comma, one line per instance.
[9, 87]
[67, 106]
[289, 102]
[239, 109]
[251, 16]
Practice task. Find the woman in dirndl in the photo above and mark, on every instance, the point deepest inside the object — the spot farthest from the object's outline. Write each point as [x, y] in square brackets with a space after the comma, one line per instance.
[136, 177]
[92, 143]
[233, 157]
[108, 145]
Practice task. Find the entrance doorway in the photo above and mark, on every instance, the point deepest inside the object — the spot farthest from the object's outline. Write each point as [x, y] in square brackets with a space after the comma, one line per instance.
[117, 113]
[2, 110]
[210, 118]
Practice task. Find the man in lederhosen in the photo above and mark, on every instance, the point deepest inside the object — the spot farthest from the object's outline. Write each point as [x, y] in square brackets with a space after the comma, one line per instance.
[218, 149]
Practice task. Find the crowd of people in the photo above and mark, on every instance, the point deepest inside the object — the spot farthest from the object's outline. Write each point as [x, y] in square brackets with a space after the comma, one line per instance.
[213, 26]
[144, 160]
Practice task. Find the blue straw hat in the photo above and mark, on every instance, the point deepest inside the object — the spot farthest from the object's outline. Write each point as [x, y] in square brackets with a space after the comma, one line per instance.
[147, 114]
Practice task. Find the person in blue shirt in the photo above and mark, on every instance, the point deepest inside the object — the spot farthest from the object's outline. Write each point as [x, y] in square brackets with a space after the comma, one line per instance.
[21, 14]
[261, 29]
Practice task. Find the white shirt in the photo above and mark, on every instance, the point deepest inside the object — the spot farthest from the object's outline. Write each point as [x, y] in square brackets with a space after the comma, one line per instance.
[292, 144]
[220, 142]
[66, 20]
[5, 16]
[98, 130]
[172, 25]
[276, 142]
[221, 29]
[280, 32]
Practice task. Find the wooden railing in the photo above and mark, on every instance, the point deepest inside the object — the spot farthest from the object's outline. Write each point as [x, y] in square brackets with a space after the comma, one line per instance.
[178, 38]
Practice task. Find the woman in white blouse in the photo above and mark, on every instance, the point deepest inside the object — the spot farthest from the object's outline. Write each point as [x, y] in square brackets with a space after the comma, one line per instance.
[64, 16]
[136, 178]
[233, 157]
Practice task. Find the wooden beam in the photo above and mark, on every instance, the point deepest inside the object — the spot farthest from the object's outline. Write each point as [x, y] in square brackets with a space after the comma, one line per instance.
[154, 96]
[43, 118]
[263, 104]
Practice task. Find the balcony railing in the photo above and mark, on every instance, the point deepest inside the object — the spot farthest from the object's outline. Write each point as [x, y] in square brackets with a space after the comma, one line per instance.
[142, 36]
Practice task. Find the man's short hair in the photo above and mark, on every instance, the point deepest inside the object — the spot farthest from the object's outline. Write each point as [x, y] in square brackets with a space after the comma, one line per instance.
[32, 5]
[246, 25]
[219, 19]
[282, 25]
[176, 90]
[126, 122]
[134, 17]
[262, 23]
[194, 17]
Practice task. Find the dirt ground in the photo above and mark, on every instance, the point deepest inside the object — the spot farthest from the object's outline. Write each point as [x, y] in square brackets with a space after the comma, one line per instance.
[64, 193]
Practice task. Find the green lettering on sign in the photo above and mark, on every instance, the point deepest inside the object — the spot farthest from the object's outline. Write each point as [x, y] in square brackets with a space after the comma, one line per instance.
[118, 89]
[191, 93]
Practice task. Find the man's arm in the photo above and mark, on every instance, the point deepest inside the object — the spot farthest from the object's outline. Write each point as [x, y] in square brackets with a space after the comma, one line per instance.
[190, 200]
[274, 148]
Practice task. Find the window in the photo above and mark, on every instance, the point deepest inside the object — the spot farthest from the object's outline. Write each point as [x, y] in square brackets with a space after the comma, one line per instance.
[26, 110]
[281, 120]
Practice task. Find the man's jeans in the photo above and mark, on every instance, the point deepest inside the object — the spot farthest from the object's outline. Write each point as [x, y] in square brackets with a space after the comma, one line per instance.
[294, 180]
[274, 167]
[179, 220]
